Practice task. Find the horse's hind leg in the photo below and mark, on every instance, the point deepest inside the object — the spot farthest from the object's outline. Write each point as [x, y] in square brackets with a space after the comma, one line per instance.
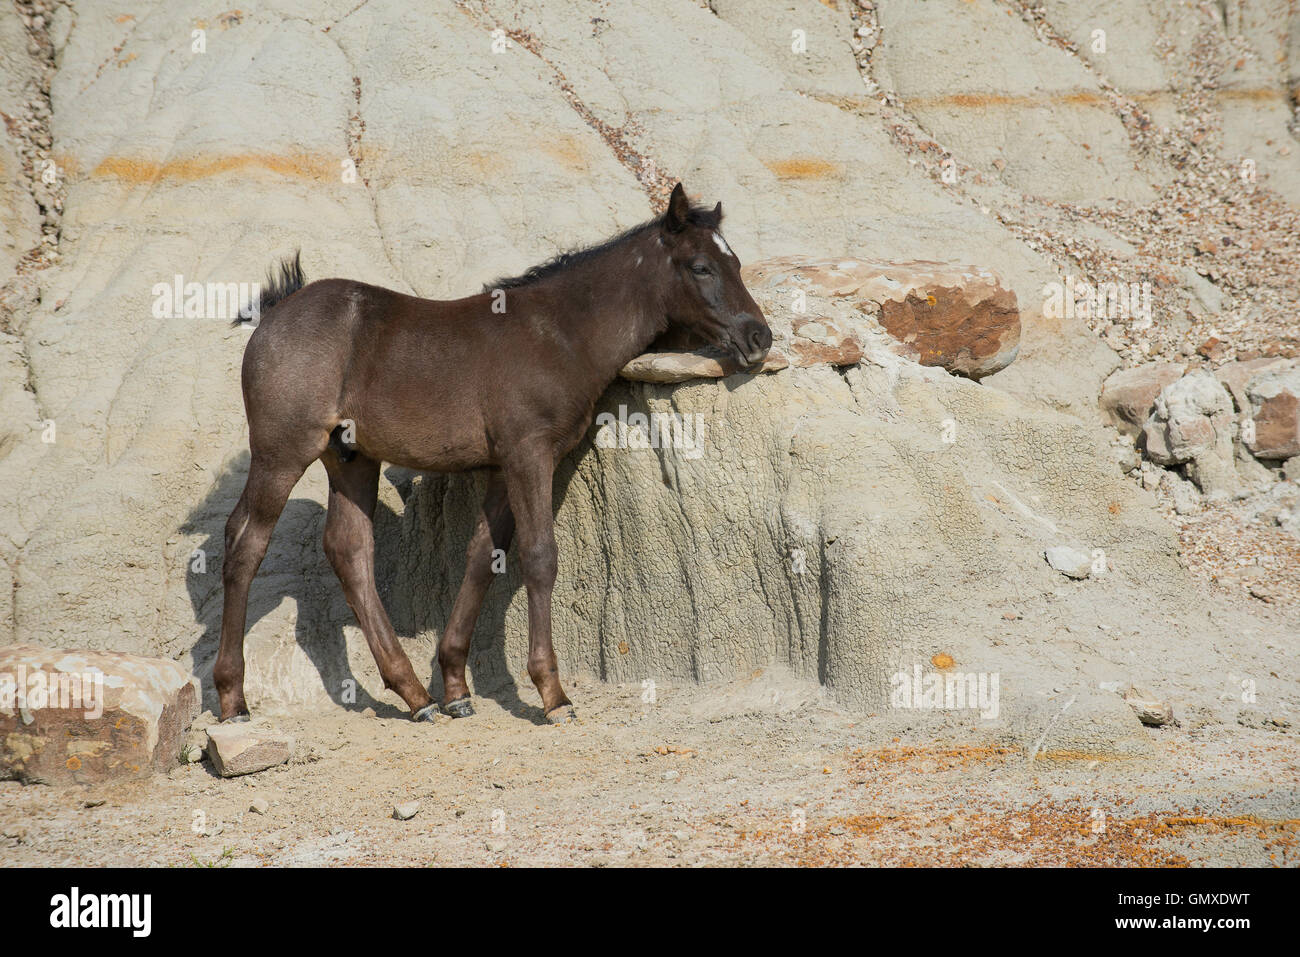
[496, 526]
[350, 547]
[529, 478]
[248, 532]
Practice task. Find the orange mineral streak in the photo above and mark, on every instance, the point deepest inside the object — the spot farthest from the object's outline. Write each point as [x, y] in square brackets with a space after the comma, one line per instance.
[137, 171]
[801, 167]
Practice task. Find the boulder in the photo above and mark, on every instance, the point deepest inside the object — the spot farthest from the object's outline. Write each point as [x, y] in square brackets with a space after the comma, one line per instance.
[1192, 422]
[1129, 395]
[242, 748]
[1235, 376]
[961, 318]
[1275, 408]
[82, 717]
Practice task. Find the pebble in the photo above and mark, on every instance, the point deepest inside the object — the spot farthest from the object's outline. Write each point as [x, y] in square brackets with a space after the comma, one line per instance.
[404, 812]
[259, 805]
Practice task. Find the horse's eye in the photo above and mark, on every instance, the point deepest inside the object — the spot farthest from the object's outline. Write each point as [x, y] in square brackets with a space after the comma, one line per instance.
[700, 270]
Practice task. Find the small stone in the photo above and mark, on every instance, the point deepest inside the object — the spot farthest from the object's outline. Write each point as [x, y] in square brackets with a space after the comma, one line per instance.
[1150, 710]
[237, 749]
[259, 805]
[404, 812]
[1070, 562]
[1212, 348]
[672, 775]
[495, 844]
[1186, 499]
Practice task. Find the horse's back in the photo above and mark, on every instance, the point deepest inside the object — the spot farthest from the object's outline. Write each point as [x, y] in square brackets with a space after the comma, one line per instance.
[405, 371]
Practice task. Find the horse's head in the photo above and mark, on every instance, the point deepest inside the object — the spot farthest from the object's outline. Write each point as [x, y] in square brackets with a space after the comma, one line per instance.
[706, 297]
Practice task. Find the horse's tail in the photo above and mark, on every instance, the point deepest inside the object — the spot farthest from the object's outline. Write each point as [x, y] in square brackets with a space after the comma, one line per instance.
[279, 287]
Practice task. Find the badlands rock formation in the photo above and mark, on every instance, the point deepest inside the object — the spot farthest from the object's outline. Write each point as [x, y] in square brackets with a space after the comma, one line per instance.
[847, 520]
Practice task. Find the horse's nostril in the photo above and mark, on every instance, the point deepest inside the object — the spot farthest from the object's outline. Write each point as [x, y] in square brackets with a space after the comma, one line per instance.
[760, 337]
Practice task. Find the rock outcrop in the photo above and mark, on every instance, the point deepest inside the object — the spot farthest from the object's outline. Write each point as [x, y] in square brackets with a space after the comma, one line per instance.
[1192, 423]
[1129, 395]
[961, 318]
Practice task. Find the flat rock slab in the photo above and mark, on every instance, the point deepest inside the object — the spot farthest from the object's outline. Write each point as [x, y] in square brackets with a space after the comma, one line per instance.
[82, 717]
[236, 749]
[681, 366]
[960, 317]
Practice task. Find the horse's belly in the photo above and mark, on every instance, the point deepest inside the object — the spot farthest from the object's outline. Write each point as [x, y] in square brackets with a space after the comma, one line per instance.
[429, 444]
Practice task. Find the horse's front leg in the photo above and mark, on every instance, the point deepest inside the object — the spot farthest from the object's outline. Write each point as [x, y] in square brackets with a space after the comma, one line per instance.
[528, 482]
[495, 528]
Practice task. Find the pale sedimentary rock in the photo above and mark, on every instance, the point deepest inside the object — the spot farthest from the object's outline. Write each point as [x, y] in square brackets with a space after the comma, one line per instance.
[80, 717]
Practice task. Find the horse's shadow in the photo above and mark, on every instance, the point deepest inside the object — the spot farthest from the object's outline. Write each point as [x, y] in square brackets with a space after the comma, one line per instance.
[420, 560]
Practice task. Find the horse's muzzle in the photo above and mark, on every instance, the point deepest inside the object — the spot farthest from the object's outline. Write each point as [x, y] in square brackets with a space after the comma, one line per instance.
[753, 343]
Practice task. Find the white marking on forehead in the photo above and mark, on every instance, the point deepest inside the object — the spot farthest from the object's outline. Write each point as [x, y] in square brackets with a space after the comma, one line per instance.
[722, 244]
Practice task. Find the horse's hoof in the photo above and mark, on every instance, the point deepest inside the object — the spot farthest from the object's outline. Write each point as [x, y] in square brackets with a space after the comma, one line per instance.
[428, 713]
[242, 718]
[460, 708]
[562, 715]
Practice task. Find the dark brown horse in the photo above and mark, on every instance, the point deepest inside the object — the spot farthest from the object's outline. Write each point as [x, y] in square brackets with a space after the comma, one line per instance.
[356, 375]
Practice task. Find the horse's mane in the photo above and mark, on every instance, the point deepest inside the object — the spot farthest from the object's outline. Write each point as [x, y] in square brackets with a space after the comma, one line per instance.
[696, 216]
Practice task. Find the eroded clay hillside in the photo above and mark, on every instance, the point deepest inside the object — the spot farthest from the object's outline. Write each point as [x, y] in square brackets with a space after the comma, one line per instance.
[432, 147]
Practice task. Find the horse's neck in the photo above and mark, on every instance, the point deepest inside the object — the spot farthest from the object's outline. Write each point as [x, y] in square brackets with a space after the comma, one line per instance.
[625, 311]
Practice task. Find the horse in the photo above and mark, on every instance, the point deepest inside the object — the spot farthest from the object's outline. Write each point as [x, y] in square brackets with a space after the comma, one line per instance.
[505, 381]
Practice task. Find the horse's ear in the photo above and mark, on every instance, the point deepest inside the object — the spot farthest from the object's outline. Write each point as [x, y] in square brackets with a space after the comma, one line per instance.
[717, 216]
[679, 208]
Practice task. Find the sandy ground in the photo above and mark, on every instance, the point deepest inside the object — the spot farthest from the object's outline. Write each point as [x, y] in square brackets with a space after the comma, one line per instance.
[760, 771]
